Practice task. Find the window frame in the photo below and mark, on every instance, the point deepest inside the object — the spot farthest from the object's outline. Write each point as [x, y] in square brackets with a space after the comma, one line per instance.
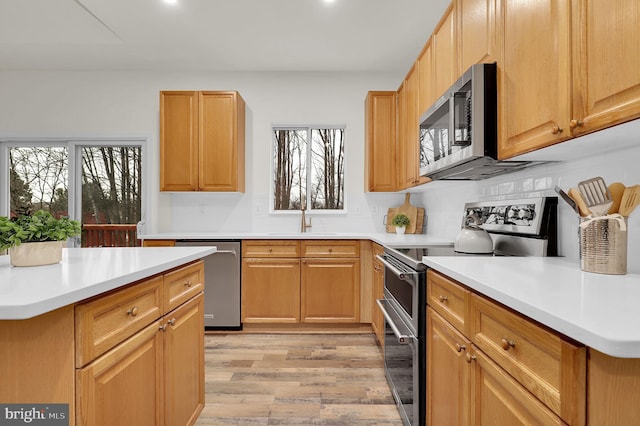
[309, 128]
[74, 178]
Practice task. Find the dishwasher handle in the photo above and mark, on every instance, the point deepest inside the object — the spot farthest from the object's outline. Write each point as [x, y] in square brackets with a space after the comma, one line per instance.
[233, 252]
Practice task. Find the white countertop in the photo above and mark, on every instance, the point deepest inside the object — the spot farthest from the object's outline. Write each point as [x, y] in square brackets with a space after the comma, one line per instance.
[389, 239]
[600, 311]
[26, 292]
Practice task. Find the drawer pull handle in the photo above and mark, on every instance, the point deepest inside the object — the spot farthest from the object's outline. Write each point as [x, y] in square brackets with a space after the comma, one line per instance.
[187, 283]
[507, 344]
[470, 358]
[443, 298]
[556, 130]
[163, 327]
[460, 347]
[172, 321]
[330, 250]
[270, 249]
[132, 312]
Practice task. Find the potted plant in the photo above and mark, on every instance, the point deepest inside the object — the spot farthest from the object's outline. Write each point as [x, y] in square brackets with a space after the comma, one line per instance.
[400, 221]
[36, 239]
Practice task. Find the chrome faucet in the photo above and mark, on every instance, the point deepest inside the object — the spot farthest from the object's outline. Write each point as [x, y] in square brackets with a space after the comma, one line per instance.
[303, 222]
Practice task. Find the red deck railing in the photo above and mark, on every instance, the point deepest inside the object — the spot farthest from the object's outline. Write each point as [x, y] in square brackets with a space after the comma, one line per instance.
[109, 235]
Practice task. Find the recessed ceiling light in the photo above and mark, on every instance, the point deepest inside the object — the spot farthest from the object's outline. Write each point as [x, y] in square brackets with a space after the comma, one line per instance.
[329, 1]
[170, 1]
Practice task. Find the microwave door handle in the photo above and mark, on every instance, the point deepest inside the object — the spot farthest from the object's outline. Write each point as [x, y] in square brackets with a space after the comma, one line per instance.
[403, 339]
[404, 276]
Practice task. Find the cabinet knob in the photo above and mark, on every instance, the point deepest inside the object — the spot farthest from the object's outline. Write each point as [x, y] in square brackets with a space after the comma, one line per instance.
[330, 250]
[132, 312]
[460, 347]
[270, 249]
[556, 130]
[443, 298]
[507, 344]
[187, 283]
[470, 358]
[575, 123]
[172, 321]
[163, 327]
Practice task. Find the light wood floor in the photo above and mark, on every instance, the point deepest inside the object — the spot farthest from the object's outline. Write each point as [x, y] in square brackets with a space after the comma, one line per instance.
[296, 379]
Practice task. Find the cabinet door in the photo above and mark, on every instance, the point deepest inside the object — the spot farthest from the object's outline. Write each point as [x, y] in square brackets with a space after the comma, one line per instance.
[448, 373]
[377, 322]
[124, 386]
[408, 145]
[270, 290]
[445, 53]
[606, 44]
[178, 141]
[184, 362]
[497, 399]
[534, 84]
[330, 290]
[221, 166]
[426, 93]
[477, 32]
[380, 141]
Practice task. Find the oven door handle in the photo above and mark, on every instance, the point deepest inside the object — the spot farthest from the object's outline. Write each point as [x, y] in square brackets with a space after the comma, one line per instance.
[403, 339]
[404, 276]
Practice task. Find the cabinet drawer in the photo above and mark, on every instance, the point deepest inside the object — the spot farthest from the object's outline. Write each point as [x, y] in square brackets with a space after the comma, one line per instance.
[449, 299]
[330, 248]
[270, 248]
[182, 284]
[104, 322]
[550, 367]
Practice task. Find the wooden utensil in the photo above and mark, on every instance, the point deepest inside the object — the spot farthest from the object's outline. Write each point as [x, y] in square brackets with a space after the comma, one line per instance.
[630, 200]
[582, 206]
[617, 190]
[596, 195]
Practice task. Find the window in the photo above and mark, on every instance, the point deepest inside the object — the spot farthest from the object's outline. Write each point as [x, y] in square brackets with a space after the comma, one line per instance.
[98, 183]
[308, 168]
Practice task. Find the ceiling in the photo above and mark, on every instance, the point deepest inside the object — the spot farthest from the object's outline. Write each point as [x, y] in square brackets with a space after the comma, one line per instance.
[215, 35]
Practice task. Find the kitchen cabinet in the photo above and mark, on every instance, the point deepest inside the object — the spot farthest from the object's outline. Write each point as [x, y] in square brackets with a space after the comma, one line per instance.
[446, 69]
[535, 78]
[408, 131]
[569, 68]
[152, 376]
[477, 35]
[309, 281]
[426, 90]
[270, 281]
[606, 80]
[518, 372]
[202, 146]
[380, 142]
[330, 281]
[158, 243]
[449, 373]
[377, 318]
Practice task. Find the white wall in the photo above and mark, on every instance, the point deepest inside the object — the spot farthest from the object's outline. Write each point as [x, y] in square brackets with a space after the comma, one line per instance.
[126, 103]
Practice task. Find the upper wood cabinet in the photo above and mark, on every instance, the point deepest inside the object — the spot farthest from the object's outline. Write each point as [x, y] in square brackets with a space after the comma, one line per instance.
[446, 69]
[534, 82]
[408, 131]
[477, 32]
[606, 44]
[202, 141]
[380, 142]
[426, 92]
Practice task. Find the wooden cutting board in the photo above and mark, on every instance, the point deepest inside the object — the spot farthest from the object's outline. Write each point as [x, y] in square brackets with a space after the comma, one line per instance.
[415, 215]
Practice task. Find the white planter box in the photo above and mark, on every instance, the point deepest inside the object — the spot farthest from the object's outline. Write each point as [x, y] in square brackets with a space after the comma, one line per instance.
[36, 254]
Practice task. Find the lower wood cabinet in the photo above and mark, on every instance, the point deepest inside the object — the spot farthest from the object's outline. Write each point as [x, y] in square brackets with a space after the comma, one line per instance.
[155, 376]
[291, 281]
[377, 318]
[499, 367]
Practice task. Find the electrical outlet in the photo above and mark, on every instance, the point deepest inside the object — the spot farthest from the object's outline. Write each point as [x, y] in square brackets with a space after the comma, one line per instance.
[357, 211]
[373, 210]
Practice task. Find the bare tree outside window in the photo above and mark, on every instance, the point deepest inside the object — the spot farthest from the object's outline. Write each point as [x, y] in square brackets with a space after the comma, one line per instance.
[111, 188]
[308, 168]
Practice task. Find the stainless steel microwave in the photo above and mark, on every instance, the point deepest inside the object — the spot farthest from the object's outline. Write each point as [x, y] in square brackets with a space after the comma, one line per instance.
[459, 133]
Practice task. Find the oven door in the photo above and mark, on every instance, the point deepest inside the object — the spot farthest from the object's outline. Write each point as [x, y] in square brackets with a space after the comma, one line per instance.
[402, 286]
[401, 363]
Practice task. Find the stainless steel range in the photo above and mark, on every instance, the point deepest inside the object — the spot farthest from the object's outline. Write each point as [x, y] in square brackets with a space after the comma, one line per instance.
[526, 227]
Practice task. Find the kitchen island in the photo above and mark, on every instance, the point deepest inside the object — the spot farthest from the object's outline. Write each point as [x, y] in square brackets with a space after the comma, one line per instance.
[115, 333]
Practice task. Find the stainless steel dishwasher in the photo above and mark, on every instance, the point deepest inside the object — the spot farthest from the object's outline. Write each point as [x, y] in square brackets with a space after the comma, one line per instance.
[221, 284]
